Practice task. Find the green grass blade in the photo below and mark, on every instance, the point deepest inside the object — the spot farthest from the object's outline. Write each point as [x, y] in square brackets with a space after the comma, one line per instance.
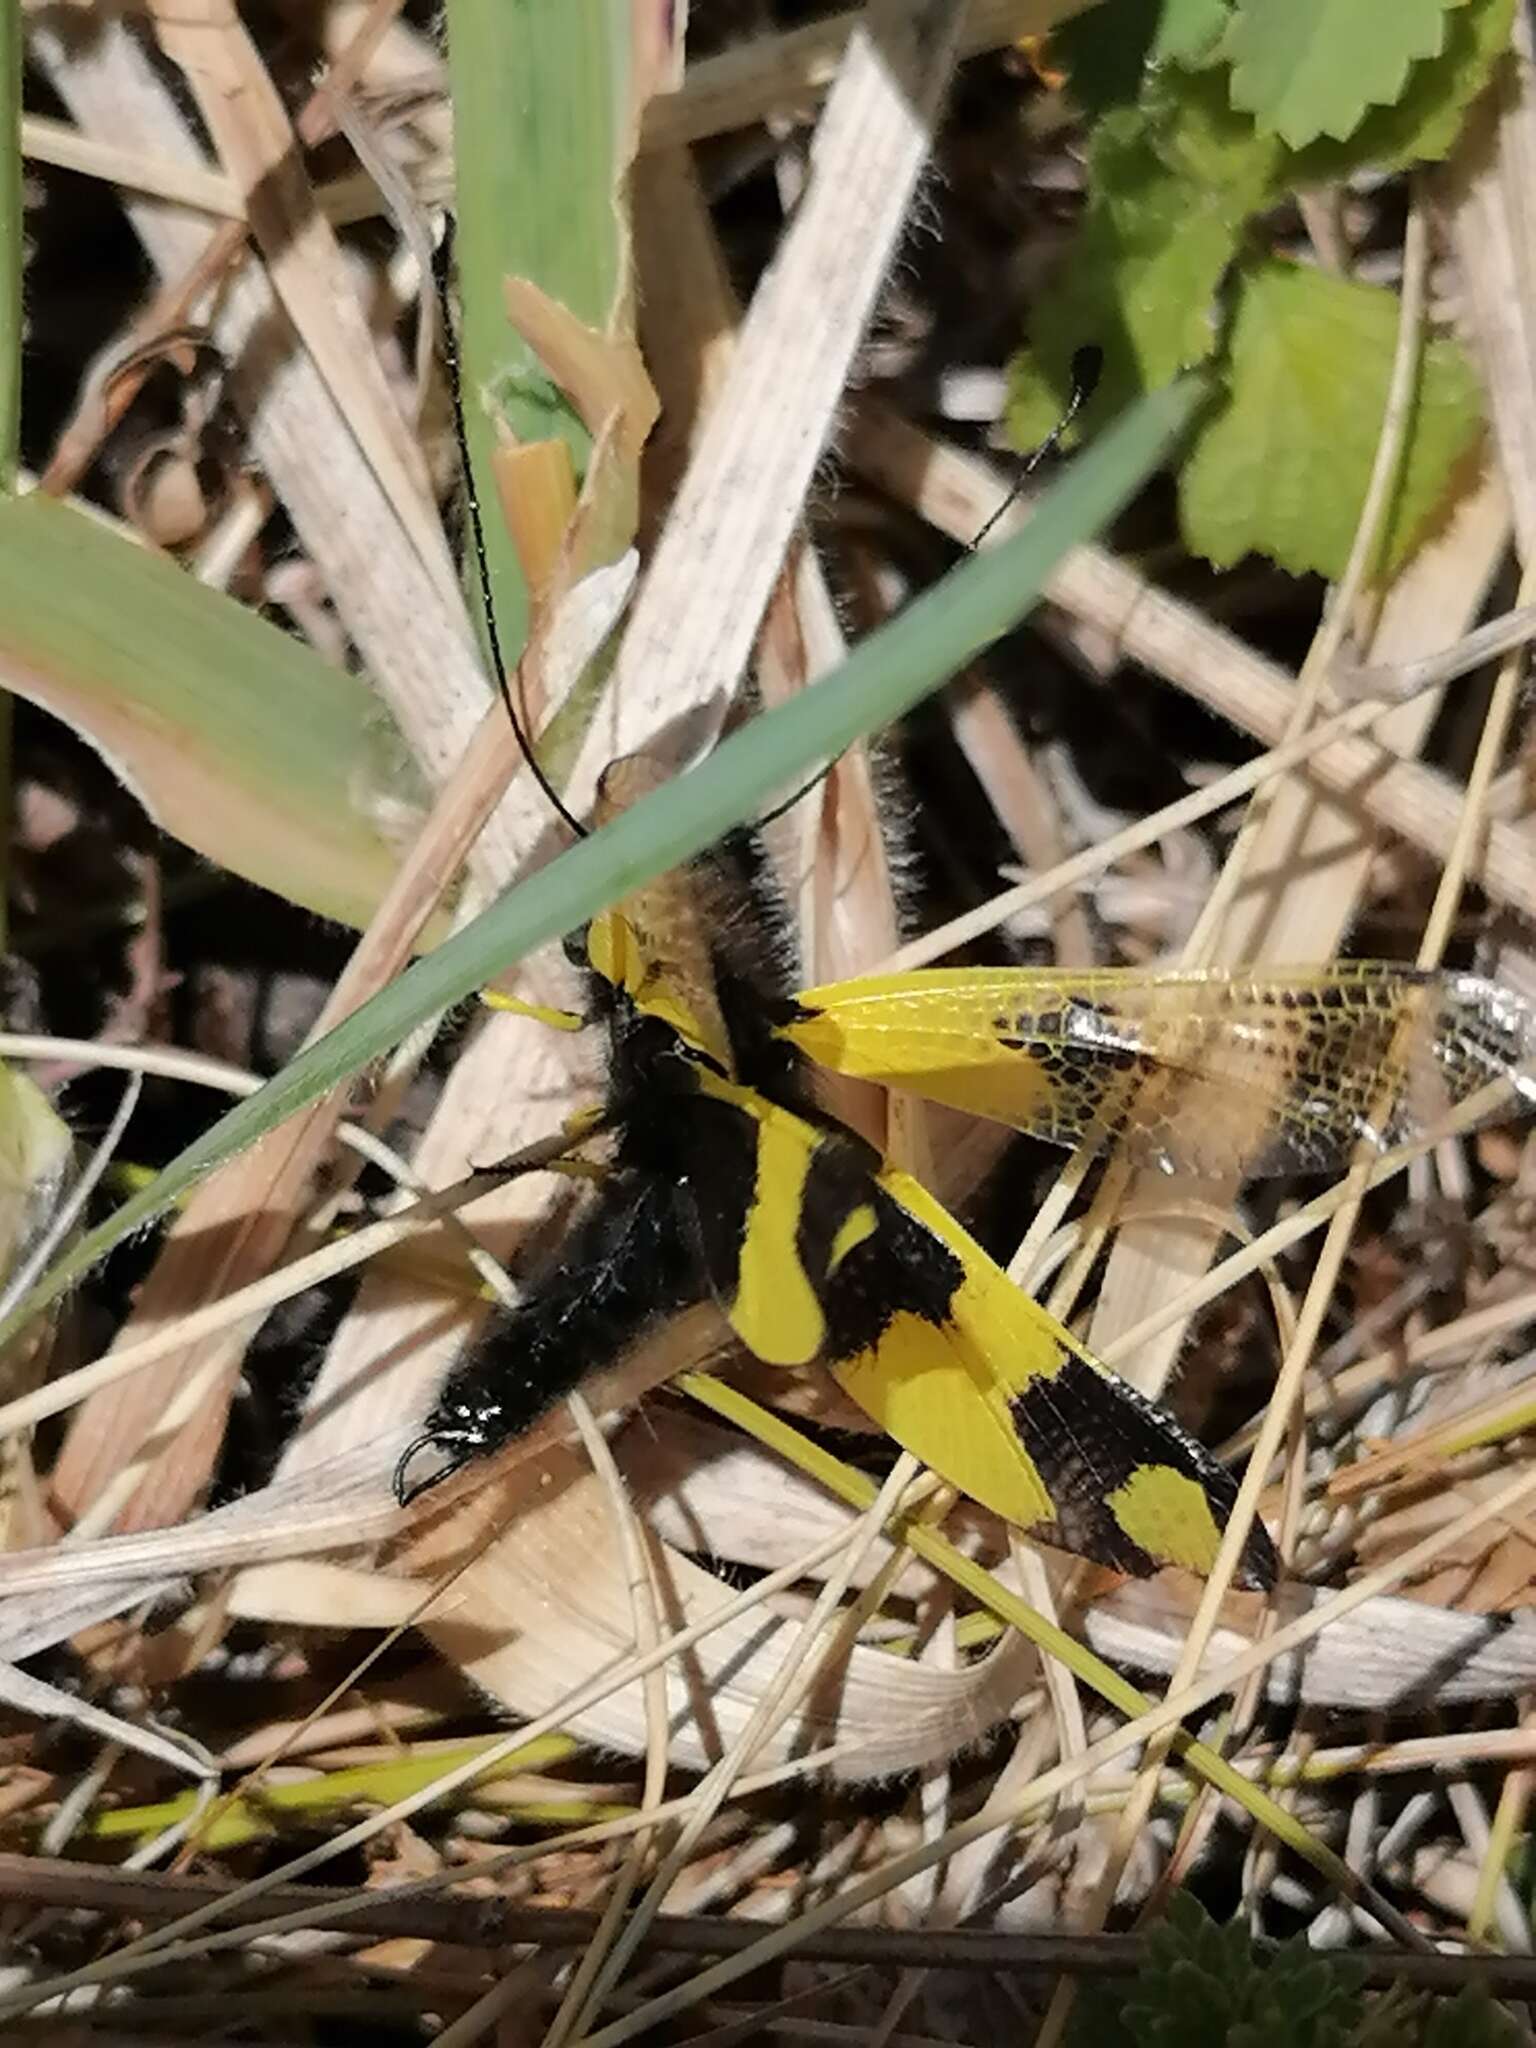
[12, 248]
[540, 99]
[236, 738]
[13, 257]
[885, 676]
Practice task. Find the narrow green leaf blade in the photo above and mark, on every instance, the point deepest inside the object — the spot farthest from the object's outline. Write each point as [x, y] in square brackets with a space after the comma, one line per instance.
[12, 246]
[541, 112]
[234, 737]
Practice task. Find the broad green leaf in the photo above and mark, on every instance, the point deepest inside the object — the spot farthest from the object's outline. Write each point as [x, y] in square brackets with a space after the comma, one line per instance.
[1197, 135]
[1306, 68]
[1281, 467]
[1172, 184]
[886, 674]
[1106, 50]
[234, 737]
[1173, 180]
[1422, 123]
[1188, 30]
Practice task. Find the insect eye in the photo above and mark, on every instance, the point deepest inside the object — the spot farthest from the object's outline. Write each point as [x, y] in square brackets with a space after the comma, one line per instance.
[575, 945]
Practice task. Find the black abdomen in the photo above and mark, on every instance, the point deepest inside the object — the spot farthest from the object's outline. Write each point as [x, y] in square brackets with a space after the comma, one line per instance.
[624, 1269]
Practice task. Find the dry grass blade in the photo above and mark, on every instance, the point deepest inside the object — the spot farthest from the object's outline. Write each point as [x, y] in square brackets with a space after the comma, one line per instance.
[698, 611]
[1173, 640]
[255, 143]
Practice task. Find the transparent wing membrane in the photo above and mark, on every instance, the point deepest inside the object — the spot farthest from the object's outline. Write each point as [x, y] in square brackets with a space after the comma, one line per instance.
[1255, 1072]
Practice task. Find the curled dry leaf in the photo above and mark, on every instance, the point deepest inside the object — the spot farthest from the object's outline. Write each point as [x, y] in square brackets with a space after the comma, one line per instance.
[502, 1625]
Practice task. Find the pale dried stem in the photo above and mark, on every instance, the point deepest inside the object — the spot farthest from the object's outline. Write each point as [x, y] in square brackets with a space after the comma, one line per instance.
[243, 1307]
[408, 620]
[693, 624]
[1394, 682]
[1023, 802]
[644, 1603]
[1485, 1104]
[1277, 1422]
[257, 1197]
[254, 140]
[771, 77]
[829, 850]
[1330, 1613]
[806, 1657]
[1161, 1718]
[956, 492]
[1092, 861]
[1493, 1876]
[174, 1063]
[1446, 1343]
[697, 613]
[1339, 611]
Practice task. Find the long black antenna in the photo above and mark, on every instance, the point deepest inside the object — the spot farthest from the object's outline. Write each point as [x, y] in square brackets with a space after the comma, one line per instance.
[812, 782]
[1087, 366]
[477, 532]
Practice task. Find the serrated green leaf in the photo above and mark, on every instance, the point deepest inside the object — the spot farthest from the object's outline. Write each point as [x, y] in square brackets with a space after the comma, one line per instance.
[1189, 2000]
[1422, 123]
[1172, 184]
[1389, 2017]
[1207, 1984]
[1303, 2000]
[1189, 30]
[1173, 181]
[1105, 51]
[1098, 2017]
[1281, 468]
[1314, 67]
[1196, 1980]
[1470, 2020]
[1198, 135]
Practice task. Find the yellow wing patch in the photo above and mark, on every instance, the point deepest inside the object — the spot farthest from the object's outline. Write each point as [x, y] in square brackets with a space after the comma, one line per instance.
[856, 1226]
[833, 1257]
[1257, 1071]
[1167, 1513]
[776, 1312]
[1002, 1401]
[936, 1395]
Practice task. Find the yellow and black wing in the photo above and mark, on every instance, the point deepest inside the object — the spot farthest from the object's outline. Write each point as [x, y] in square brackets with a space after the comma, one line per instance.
[1252, 1071]
[817, 1252]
